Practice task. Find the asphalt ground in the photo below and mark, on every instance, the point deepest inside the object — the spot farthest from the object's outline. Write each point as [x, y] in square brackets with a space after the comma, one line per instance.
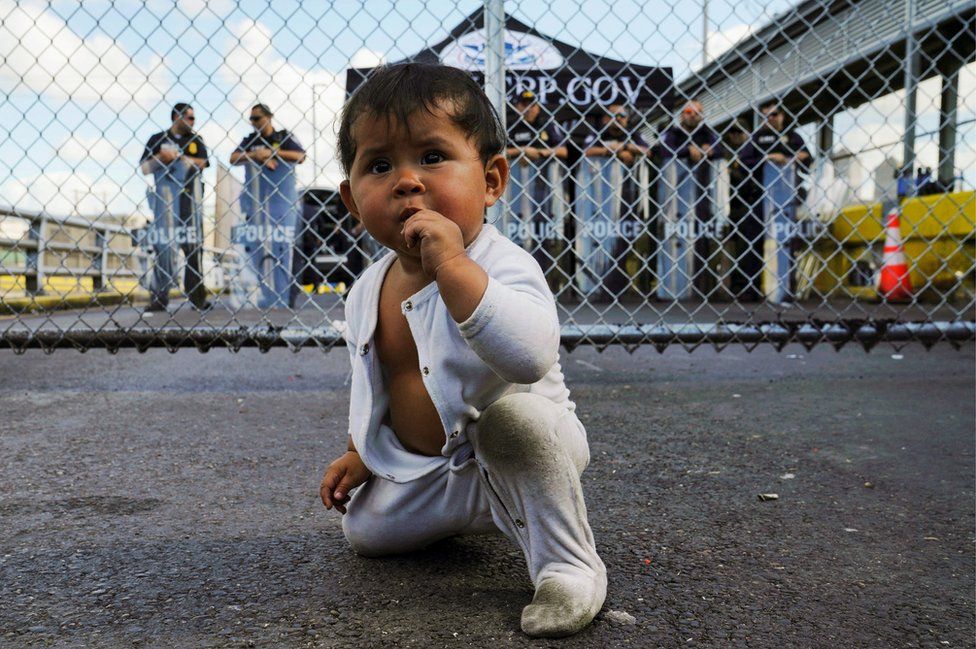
[170, 500]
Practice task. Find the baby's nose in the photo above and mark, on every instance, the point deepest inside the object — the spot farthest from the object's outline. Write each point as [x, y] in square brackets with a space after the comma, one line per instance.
[408, 184]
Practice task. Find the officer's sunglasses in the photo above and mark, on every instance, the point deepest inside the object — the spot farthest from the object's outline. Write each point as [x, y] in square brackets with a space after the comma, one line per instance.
[188, 118]
[256, 118]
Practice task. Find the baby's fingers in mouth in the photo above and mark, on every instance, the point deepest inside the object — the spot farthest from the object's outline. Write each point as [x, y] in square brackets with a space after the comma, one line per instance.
[407, 212]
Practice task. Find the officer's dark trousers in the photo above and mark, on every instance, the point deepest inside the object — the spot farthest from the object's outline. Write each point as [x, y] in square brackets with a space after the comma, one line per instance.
[164, 271]
[747, 238]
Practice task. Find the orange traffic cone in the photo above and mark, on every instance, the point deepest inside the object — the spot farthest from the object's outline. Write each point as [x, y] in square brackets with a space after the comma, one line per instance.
[894, 281]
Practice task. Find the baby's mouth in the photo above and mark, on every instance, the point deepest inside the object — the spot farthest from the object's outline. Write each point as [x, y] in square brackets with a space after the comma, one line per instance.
[407, 212]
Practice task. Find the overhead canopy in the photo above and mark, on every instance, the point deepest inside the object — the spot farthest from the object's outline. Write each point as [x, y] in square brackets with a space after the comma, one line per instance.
[567, 80]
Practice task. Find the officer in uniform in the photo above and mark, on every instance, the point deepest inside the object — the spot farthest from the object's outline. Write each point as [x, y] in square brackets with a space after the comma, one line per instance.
[690, 139]
[270, 203]
[774, 154]
[533, 142]
[744, 214]
[606, 202]
[695, 144]
[175, 157]
[775, 142]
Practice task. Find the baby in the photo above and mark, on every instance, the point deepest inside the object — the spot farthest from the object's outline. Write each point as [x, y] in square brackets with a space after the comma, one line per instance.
[459, 419]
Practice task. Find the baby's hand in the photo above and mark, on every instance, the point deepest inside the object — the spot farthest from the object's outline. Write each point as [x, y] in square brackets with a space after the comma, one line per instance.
[439, 238]
[346, 473]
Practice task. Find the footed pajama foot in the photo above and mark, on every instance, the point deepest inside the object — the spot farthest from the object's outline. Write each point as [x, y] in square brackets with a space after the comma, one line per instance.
[563, 605]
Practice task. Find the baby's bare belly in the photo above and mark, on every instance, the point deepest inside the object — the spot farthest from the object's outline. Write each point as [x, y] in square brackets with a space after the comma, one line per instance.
[413, 416]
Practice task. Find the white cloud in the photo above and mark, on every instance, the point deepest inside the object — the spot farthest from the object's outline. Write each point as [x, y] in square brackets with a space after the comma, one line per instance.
[79, 148]
[196, 9]
[40, 52]
[722, 40]
[687, 50]
[67, 192]
[221, 139]
[366, 58]
[257, 72]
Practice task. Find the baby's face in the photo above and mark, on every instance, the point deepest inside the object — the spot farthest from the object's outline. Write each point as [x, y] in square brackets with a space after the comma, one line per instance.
[432, 165]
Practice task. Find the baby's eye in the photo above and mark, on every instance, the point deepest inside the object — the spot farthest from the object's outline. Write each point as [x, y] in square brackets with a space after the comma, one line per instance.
[379, 167]
[432, 157]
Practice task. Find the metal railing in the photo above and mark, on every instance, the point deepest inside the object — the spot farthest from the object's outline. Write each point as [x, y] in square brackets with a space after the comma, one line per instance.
[68, 247]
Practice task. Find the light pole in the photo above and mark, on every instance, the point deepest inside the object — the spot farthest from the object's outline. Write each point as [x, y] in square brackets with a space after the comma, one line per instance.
[704, 33]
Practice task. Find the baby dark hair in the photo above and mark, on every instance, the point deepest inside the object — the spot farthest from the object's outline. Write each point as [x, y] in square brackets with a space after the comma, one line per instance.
[398, 91]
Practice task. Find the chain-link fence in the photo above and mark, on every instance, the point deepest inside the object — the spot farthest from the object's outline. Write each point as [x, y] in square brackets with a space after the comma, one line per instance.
[716, 172]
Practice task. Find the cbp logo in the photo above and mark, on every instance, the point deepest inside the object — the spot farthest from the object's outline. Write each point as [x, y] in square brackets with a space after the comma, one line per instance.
[522, 52]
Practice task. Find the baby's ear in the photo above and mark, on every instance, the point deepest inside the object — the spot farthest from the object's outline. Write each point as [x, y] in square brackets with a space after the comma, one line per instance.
[496, 179]
[345, 193]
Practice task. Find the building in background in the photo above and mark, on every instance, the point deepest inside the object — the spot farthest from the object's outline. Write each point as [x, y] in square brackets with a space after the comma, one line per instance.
[885, 181]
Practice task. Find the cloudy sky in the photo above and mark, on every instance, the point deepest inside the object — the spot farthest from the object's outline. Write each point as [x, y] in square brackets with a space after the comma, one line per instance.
[85, 84]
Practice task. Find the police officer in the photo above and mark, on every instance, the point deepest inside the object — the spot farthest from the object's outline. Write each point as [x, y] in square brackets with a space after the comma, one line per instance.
[529, 137]
[270, 203]
[691, 139]
[606, 202]
[747, 226]
[775, 142]
[774, 154]
[533, 143]
[175, 157]
[695, 144]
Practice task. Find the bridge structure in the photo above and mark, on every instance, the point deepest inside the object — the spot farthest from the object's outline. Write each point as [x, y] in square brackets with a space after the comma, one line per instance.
[824, 56]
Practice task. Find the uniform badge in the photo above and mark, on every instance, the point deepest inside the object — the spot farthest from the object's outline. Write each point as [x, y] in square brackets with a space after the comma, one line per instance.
[192, 149]
[785, 139]
[544, 137]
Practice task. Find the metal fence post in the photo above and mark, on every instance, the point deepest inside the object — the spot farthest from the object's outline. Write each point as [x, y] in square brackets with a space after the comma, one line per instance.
[98, 281]
[911, 85]
[40, 277]
[948, 119]
[495, 71]
[825, 146]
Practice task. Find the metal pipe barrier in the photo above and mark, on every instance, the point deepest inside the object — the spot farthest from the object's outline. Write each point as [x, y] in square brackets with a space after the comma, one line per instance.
[65, 246]
[265, 337]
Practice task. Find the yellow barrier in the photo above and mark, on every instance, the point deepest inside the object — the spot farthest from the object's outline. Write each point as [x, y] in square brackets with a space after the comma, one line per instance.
[939, 235]
[66, 293]
[72, 293]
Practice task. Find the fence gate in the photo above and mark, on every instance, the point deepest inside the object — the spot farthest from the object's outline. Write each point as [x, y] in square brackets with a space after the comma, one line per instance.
[716, 173]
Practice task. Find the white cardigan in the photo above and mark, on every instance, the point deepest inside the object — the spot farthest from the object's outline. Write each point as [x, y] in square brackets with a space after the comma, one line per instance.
[509, 344]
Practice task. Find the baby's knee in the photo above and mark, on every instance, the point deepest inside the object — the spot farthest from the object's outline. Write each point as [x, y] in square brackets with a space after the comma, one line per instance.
[363, 536]
[517, 428]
